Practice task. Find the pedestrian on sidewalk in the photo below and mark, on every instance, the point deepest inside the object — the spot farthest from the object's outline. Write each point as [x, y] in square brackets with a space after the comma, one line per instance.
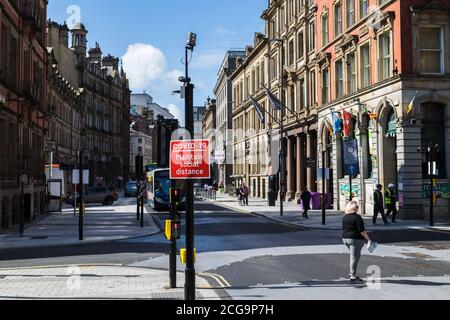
[244, 193]
[215, 188]
[238, 195]
[306, 197]
[379, 205]
[354, 234]
[391, 198]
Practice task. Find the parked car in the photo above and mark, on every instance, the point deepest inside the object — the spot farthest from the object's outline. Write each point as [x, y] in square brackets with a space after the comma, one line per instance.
[93, 195]
[131, 189]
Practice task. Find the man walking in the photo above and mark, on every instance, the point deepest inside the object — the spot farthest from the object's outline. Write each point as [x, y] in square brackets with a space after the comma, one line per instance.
[379, 205]
[306, 201]
[390, 200]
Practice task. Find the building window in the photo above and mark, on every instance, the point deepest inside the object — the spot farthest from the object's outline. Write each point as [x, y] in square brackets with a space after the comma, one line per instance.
[431, 53]
[337, 19]
[292, 102]
[263, 72]
[339, 79]
[351, 73]
[312, 36]
[301, 45]
[384, 51]
[363, 8]
[325, 30]
[313, 87]
[325, 85]
[350, 13]
[302, 103]
[291, 52]
[365, 66]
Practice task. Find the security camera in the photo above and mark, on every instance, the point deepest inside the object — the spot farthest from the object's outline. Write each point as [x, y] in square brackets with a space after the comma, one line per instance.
[192, 40]
[184, 80]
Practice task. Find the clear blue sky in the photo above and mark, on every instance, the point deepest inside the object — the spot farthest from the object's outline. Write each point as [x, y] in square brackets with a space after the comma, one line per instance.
[160, 27]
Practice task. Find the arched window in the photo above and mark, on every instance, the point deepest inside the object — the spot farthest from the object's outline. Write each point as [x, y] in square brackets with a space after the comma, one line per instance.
[433, 134]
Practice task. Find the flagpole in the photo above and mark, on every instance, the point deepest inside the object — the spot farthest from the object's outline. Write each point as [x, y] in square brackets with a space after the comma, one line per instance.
[257, 105]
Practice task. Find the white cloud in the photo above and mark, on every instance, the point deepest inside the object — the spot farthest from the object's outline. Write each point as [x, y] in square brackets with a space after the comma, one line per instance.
[171, 79]
[175, 111]
[144, 64]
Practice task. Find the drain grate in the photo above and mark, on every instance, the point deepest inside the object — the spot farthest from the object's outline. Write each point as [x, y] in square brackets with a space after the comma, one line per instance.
[39, 238]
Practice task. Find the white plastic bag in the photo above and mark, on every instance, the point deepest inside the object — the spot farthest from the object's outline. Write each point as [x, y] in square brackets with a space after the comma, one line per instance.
[372, 246]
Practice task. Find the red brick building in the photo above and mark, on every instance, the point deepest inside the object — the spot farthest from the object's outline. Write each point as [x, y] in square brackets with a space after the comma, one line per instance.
[22, 108]
[376, 58]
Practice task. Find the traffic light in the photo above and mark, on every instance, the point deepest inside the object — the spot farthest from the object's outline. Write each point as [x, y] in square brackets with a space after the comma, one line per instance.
[175, 196]
[173, 230]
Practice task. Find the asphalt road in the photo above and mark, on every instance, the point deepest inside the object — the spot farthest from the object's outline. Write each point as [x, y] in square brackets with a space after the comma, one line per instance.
[251, 237]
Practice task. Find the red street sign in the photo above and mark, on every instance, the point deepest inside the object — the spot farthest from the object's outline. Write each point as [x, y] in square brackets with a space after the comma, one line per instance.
[189, 159]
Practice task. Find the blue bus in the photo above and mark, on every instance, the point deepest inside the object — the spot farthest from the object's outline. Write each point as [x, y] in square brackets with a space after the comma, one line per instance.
[158, 190]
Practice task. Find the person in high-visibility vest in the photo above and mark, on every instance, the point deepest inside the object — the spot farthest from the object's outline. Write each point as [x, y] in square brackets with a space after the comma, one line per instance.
[390, 200]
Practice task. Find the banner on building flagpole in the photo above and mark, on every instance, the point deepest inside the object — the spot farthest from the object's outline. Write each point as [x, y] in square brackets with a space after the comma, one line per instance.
[351, 162]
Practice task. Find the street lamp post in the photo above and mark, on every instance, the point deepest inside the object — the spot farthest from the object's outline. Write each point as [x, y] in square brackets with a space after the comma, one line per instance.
[189, 289]
[324, 148]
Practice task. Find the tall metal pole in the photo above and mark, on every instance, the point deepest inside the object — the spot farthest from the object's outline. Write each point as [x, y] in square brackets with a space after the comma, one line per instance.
[430, 165]
[190, 266]
[323, 186]
[173, 248]
[282, 153]
[81, 215]
[22, 200]
[142, 208]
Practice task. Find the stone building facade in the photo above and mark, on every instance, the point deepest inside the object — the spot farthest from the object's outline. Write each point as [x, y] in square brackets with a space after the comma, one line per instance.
[251, 145]
[223, 91]
[105, 102]
[377, 59]
[22, 109]
[63, 126]
[209, 133]
[290, 28]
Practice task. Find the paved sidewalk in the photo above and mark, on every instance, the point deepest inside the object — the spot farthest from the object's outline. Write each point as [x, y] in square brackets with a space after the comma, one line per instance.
[101, 224]
[96, 282]
[293, 216]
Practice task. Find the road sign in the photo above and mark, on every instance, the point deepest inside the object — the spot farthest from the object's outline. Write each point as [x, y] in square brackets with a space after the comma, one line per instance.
[76, 176]
[189, 159]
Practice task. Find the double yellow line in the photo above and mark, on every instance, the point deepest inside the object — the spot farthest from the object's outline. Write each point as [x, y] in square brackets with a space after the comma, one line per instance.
[223, 283]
